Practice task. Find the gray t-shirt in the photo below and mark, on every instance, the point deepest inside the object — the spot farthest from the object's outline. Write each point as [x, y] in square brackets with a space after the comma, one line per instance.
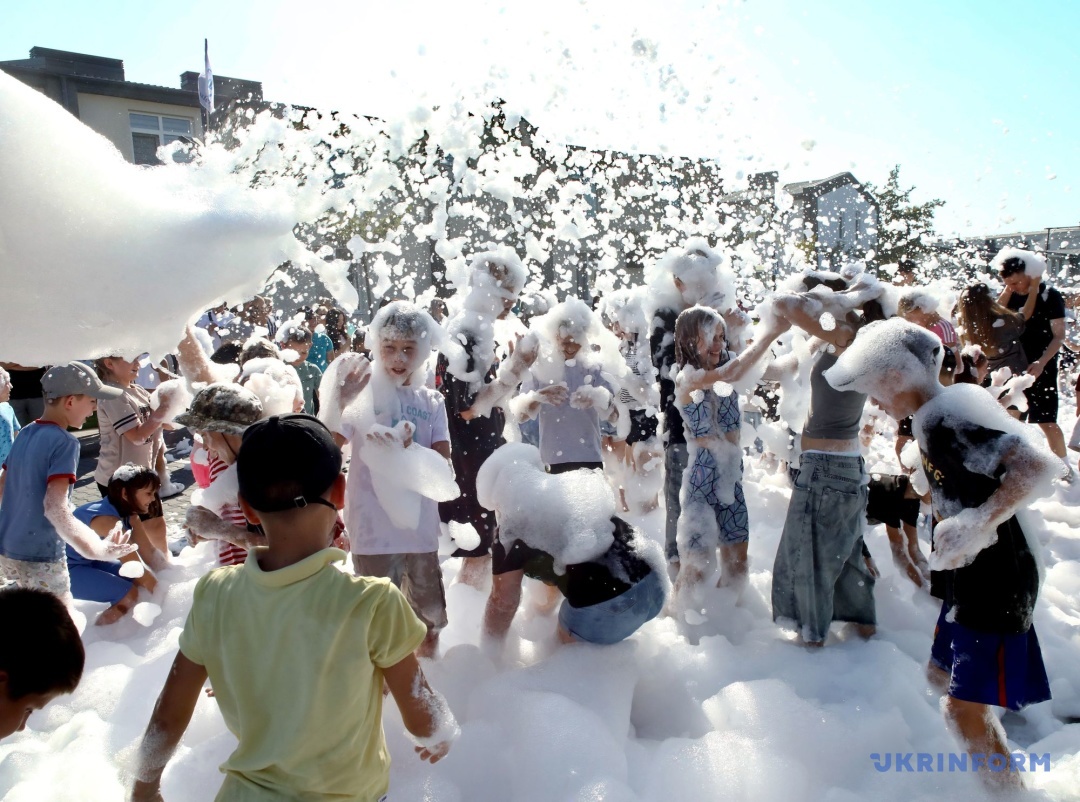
[833, 415]
[568, 434]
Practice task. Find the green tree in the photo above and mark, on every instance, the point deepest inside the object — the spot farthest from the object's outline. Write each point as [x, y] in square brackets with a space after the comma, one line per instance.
[905, 229]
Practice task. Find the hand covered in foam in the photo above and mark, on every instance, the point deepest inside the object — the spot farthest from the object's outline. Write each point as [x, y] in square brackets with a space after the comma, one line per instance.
[555, 395]
[398, 437]
[590, 398]
[115, 545]
[959, 539]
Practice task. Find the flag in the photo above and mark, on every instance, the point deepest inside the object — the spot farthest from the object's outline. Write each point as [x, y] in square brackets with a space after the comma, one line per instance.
[206, 82]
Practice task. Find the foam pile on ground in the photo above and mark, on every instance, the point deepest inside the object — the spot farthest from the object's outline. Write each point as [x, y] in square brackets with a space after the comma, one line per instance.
[725, 707]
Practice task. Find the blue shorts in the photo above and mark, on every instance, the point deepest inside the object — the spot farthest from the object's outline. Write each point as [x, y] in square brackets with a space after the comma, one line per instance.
[990, 668]
[618, 618]
[96, 580]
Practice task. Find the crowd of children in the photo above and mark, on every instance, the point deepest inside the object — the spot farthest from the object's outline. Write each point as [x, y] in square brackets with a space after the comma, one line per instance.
[425, 424]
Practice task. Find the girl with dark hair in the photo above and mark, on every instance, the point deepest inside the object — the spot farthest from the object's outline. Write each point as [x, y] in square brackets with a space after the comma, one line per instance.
[131, 492]
[713, 510]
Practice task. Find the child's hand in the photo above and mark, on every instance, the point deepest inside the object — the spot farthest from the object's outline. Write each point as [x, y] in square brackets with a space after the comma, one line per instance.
[959, 539]
[115, 545]
[433, 754]
[355, 378]
[555, 395]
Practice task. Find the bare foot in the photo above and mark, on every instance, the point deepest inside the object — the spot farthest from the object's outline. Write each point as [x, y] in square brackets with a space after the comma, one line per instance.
[112, 615]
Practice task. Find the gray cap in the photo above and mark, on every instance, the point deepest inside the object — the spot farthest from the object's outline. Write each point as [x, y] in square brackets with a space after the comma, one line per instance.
[226, 408]
[75, 378]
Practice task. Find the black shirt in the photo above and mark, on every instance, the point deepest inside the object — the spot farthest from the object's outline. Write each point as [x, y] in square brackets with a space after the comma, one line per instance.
[471, 441]
[996, 592]
[26, 383]
[589, 583]
[1038, 333]
[662, 345]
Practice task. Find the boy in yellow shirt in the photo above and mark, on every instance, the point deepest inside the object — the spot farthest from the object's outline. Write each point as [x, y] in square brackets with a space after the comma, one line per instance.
[296, 650]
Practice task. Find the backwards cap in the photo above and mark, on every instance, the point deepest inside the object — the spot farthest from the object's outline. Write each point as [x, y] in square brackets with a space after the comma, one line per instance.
[287, 462]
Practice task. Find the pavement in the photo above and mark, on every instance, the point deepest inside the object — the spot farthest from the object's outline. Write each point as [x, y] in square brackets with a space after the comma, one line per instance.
[178, 446]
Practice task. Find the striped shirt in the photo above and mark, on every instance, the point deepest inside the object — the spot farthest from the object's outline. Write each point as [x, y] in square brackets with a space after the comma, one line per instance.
[946, 332]
[117, 416]
[228, 554]
[629, 350]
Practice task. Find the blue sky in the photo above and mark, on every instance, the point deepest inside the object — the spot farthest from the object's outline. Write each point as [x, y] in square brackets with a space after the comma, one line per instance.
[975, 100]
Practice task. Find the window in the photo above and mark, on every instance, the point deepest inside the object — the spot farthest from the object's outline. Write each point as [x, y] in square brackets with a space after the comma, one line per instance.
[149, 132]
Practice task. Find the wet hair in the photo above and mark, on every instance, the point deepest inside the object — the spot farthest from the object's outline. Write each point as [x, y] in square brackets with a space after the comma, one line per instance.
[227, 354]
[906, 266]
[689, 327]
[1012, 266]
[336, 321]
[978, 309]
[968, 371]
[294, 333]
[437, 305]
[872, 311]
[130, 478]
[405, 321]
[834, 283]
[40, 648]
[259, 348]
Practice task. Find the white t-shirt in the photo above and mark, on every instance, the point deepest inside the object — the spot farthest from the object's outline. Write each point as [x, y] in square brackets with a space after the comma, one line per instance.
[369, 527]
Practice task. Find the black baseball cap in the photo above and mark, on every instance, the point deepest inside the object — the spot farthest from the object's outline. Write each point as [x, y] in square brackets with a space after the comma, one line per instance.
[286, 462]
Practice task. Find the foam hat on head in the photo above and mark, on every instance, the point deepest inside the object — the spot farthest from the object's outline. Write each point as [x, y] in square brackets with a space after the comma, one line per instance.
[76, 378]
[885, 345]
[296, 451]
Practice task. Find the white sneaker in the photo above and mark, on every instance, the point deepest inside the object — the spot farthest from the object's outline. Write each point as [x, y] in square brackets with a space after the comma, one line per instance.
[170, 489]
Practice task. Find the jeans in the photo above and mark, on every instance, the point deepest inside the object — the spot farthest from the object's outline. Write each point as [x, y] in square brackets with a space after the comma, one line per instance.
[820, 575]
[615, 619]
[675, 459]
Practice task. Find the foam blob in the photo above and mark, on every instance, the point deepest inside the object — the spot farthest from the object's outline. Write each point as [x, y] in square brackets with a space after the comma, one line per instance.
[73, 209]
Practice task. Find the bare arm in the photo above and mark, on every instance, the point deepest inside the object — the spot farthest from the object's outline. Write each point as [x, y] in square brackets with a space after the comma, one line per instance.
[194, 363]
[423, 710]
[74, 532]
[1057, 328]
[805, 312]
[171, 717]
[442, 448]
[206, 524]
[957, 540]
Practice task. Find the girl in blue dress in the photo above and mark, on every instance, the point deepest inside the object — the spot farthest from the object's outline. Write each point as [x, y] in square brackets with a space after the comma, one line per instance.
[713, 506]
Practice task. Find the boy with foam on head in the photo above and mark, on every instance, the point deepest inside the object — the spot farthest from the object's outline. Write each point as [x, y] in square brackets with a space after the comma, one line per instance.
[310, 727]
[35, 519]
[41, 654]
[402, 545]
[983, 468]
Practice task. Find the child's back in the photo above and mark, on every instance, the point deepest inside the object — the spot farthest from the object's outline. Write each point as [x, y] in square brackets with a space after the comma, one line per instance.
[293, 656]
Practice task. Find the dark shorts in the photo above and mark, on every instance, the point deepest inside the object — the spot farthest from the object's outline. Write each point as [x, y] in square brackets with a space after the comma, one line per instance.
[990, 668]
[642, 427]
[1042, 396]
[887, 505]
[566, 467]
[903, 428]
[156, 509]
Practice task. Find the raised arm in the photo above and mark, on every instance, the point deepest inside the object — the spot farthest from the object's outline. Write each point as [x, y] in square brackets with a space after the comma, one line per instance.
[194, 363]
[806, 311]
